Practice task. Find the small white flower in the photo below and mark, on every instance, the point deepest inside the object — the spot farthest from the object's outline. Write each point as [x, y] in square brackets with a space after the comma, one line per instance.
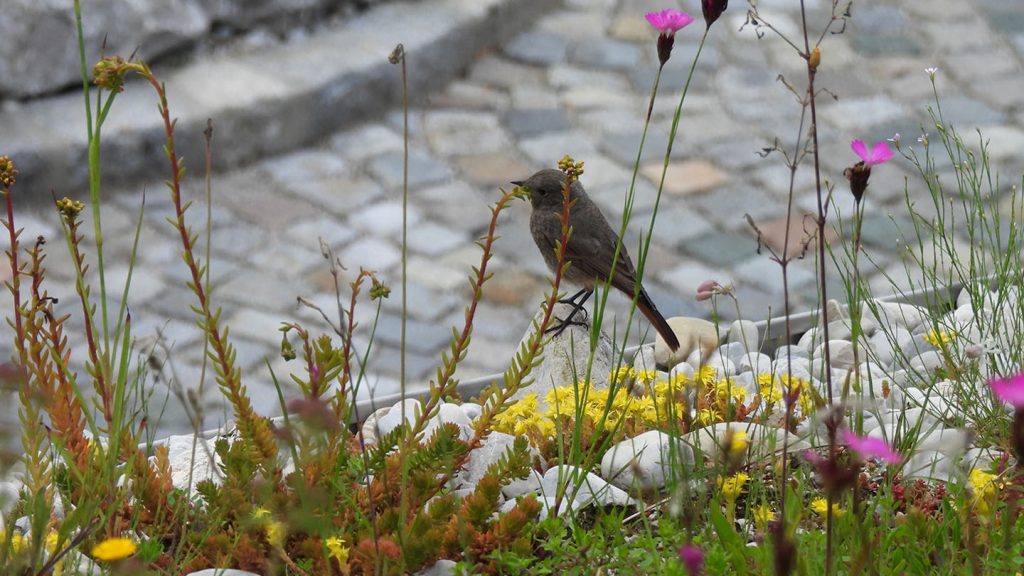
[931, 70]
[896, 139]
[923, 138]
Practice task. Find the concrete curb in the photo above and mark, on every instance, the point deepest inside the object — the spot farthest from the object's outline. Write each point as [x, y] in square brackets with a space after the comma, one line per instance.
[262, 102]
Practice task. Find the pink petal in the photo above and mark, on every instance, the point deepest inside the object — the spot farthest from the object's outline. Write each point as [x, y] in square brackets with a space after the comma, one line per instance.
[1010, 390]
[669, 21]
[860, 149]
[879, 154]
[867, 446]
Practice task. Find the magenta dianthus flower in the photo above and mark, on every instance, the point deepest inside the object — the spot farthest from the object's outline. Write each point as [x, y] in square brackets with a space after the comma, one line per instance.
[867, 446]
[669, 21]
[878, 155]
[1010, 390]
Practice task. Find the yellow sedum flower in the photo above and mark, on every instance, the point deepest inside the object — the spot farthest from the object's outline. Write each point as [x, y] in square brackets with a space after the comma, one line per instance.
[113, 549]
[621, 374]
[738, 442]
[820, 507]
[732, 486]
[646, 376]
[707, 416]
[336, 549]
[762, 515]
[984, 487]
[938, 338]
[18, 542]
[276, 533]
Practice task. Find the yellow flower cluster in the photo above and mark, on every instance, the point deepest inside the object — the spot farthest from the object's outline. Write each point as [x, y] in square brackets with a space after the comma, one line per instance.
[984, 487]
[820, 507]
[336, 549]
[773, 388]
[938, 338]
[113, 549]
[762, 515]
[732, 486]
[523, 418]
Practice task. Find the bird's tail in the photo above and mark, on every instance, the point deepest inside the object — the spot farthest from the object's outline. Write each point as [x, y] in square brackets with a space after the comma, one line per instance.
[647, 308]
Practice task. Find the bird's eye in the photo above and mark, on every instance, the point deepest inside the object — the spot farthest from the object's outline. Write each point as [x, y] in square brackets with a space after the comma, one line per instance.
[543, 192]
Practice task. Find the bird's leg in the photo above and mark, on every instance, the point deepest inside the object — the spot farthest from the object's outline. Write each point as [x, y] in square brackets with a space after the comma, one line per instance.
[577, 307]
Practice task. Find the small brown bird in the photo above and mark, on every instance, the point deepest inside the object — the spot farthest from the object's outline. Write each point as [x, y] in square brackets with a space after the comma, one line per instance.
[591, 247]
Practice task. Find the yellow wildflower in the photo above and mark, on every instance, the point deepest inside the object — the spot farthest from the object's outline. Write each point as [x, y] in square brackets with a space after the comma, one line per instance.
[732, 486]
[621, 374]
[820, 507]
[762, 515]
[275, 532]
[260, 513]
[983, 490]
[51, 542]
[336, 549]
[114, 549]
[18, 542]
[938, 338]
[738, 443]
[707, 416]
[646, 376]
[561, 401]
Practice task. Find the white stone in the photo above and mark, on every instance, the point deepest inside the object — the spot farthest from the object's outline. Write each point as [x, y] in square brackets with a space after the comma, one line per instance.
[949, 441]
[583, 488]
[755, 362]
[203, 464]
[894, 314]
[930, 465]
[762, 439]
[645, 461]
[840, 353]
[472, 410]
[745, 332]
[644, 359]
[565, 359]
[683, 370]
[492, 449]
[694, 334]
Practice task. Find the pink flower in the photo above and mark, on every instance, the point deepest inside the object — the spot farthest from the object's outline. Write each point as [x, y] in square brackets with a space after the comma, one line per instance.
[693, 559]
[668, 22]
[1010, 390]
[866, 446]
[878, 155]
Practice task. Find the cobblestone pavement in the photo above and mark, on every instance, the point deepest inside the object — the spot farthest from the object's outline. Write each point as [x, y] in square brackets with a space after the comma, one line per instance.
[577, 82]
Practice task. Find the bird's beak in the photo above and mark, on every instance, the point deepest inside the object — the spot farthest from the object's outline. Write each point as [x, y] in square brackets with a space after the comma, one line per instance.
[517, 182]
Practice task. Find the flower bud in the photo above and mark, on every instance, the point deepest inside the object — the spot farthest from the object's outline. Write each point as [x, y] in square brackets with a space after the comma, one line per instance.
[713, 9]
[858, 175]
[8, 175]
[665, 43]
[815, 59]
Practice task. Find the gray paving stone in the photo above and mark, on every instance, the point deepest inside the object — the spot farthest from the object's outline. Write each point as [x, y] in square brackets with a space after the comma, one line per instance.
[727, 207]
[370, 253]
[425, 304]
[422, 337]
[684, 278]
[722, 248]
[433, 240]
[886, 43]
[385, 218]
[543, 48]
[504, 73]
[387, 168]
[676, 226]
[419, 367]
[463, 133]
[623, 146]
[860, 113]
[524, 123]
[761, 270]
[310, 231]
